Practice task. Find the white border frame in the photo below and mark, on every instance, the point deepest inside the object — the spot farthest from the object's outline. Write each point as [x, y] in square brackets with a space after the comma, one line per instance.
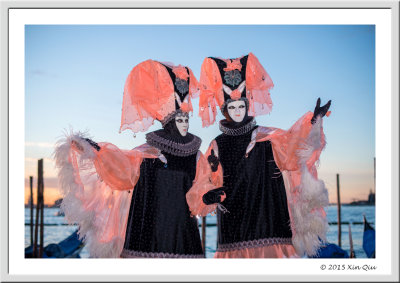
[232, 270]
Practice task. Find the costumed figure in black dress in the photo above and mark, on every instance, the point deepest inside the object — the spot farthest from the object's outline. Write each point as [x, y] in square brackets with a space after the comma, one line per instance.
[266, 177]
[131, 203]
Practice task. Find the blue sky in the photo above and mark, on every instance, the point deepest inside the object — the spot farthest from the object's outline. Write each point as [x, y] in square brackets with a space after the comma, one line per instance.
[74, 77]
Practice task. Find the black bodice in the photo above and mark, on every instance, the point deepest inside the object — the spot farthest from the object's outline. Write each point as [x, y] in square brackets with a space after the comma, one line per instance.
[255, 192]
[159, 220]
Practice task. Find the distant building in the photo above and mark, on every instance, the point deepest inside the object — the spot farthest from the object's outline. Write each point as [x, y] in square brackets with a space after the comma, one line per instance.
[369, 201]
[371, 198]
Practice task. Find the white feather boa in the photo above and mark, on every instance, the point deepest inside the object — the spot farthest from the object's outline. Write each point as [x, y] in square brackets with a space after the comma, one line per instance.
[100, 212]
[307, 200]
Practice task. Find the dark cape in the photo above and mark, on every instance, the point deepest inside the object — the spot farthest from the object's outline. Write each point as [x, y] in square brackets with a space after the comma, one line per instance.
[255, 192]
[159, 222]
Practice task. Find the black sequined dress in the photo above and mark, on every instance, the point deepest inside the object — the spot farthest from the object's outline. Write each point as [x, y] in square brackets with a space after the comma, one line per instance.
[255, 193]
[159, 222]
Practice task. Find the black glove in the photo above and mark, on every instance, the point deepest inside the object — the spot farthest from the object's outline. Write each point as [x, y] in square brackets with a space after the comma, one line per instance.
[213, 196]
[93, 144]
[320, 111]
[213, 160]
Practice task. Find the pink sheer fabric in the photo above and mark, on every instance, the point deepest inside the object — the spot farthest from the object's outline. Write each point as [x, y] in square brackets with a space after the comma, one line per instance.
[287, 144]
[149, 95]
[97, 190]
[147, 87]
[296, 152]
[274, 251]
[232, 64]
[211, 93]
[194, 85]
[258, 85]
[201, 185]
[180, 72]
[120, 169]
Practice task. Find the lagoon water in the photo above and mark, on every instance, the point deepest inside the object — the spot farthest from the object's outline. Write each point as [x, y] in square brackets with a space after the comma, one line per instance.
[55, 229]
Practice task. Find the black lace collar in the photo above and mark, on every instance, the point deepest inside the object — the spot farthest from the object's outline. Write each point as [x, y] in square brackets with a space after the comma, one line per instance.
[179, 146]
[233, 129]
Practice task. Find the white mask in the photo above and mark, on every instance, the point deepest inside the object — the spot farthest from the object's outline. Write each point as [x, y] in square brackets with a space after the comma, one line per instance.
[182, 123]
[237, 110]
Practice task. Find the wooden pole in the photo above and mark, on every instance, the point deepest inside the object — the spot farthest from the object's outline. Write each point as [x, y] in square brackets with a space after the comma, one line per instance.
[339, 218]
[31, 205]
[41, 187]
[352, 254]
[203, 234]
[35, 246]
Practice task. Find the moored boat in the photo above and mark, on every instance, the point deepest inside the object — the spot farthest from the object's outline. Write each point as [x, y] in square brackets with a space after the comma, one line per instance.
[369, 239]
[70, 247]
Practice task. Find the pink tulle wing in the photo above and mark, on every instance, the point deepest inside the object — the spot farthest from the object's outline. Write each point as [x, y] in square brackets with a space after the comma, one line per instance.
[97, 190]
[211, 93]
[194, 87]
[302, 138]
[115, 168]
[258, 85]
[148, 95]
[296, 152]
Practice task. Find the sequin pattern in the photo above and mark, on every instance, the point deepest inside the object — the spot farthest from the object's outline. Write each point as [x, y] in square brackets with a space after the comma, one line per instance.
[255, 193]
[181, 85]
[233, 77]
[159, 221]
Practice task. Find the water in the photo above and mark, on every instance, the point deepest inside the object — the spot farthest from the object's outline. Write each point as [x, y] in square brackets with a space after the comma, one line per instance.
[56, 230]
[350, 214]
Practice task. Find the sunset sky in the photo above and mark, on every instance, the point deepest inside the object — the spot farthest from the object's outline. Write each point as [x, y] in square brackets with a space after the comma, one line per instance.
[74, 79]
